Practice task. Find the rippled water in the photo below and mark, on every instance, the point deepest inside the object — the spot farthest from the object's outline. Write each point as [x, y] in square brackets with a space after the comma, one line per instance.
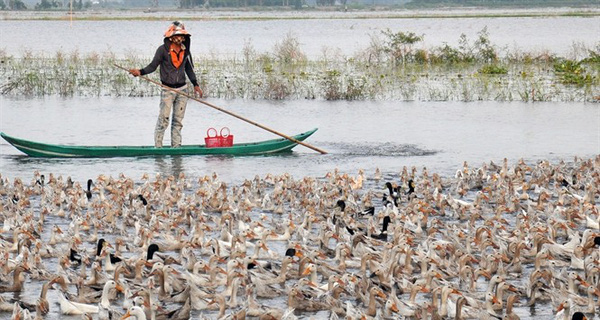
[367, 135]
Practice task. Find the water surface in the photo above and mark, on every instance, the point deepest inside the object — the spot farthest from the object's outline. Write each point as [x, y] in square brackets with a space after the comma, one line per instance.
[388, 135]
[356, 135]
[346, 37]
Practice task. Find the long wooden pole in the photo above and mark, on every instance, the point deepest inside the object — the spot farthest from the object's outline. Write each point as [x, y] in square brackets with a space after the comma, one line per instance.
[228, 112]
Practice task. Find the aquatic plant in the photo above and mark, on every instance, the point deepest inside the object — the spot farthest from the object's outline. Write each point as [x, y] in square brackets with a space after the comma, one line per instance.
[446, 54]
[493, 69]
[486, 52]
[288, 51]
[386, 69]
[331, 85]
[593, 56]
[399, 45]
[277, 88]
[572, 72]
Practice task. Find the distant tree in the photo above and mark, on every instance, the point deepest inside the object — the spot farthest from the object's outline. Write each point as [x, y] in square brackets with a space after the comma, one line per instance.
[325, 2]
[2, 5]
[16, 5]
[189, 3]
[45, 5]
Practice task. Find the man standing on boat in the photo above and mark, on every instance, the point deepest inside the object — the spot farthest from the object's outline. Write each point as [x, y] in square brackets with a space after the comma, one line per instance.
[175, 61]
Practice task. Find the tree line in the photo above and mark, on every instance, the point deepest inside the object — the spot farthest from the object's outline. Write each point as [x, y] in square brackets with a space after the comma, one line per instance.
[295, 4]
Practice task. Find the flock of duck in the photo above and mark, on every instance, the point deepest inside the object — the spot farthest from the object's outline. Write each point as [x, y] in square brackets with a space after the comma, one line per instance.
[483, 244]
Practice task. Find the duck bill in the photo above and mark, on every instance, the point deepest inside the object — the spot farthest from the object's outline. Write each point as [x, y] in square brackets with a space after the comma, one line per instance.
[486, 274]
[126, 315]
[306, 271]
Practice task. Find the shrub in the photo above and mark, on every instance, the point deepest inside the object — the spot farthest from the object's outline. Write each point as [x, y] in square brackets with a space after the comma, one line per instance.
[331, 85]
[493, 69]
[447, 54]
[486, 51]
[399, 44]
[288, 51]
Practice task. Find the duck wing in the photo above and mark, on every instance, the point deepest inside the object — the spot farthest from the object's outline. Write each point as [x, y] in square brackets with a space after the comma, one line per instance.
[182, 313]
[74, 308]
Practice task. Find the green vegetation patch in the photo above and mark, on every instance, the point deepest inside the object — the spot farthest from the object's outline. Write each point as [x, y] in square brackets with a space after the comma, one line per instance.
[390, 68]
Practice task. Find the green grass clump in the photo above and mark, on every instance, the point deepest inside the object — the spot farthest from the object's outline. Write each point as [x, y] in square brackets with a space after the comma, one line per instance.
[493, 69]
[572, 72]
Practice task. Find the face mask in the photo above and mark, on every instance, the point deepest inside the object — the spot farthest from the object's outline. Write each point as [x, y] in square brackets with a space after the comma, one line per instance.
[177, 40]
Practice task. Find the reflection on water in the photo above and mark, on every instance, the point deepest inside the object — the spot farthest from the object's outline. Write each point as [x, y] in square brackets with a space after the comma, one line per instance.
[170, 166]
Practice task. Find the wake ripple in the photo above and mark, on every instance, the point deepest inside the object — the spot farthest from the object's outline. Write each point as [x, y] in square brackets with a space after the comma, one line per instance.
[387, 149]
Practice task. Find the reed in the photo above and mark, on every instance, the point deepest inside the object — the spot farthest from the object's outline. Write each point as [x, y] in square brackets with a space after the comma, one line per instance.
[389, 68]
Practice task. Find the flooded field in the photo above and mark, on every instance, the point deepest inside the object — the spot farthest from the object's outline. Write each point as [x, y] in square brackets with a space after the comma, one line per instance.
[503, 215]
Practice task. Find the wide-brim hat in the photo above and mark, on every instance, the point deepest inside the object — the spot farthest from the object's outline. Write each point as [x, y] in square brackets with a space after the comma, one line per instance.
[175, 29]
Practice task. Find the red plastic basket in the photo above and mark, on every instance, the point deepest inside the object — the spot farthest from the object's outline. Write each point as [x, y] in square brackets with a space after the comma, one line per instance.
[223, 139]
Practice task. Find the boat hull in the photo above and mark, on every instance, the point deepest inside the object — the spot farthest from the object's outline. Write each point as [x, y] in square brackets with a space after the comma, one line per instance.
[44, 150]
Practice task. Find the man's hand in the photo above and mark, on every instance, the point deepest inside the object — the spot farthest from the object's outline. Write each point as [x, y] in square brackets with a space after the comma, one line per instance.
[135, 72]
[198, 91]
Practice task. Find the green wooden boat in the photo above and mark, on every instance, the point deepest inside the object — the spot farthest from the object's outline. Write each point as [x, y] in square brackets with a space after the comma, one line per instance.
[37, 149]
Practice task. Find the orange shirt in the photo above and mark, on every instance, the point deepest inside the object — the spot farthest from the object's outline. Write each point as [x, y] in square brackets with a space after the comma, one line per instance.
[176, 56]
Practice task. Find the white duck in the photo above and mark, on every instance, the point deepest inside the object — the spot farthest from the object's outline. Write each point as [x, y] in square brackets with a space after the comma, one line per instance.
[136, 312]
[106, 312]
[74, 308]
